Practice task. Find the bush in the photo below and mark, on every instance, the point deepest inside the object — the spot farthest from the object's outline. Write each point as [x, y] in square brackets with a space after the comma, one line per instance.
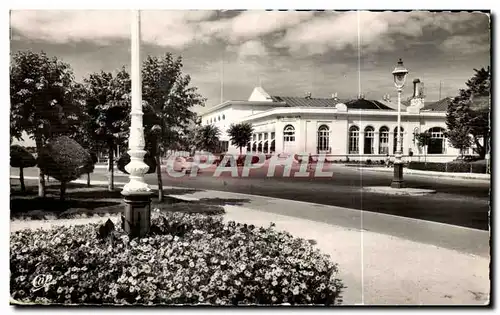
[424, 166]
[459, 167]
[189, 259]
[64, 159]
[20, 157]
[368, 162]
[125, 159]
[451, 167]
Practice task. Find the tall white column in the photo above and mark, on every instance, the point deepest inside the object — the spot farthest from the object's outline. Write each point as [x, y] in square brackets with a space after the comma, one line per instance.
[136, 168]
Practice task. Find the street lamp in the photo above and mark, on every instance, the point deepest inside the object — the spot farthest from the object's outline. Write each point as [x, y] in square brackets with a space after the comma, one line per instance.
[137, 193]
[399, 74]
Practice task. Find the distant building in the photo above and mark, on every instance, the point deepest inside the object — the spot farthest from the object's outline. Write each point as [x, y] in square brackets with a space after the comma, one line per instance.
[357, 129]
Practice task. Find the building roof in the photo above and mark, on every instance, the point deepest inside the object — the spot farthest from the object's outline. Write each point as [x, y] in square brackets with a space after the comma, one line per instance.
[306, 102]
[438, 106]
[366, 104]
[329, 102]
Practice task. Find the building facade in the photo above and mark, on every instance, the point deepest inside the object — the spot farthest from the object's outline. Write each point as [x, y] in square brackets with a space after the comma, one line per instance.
[356, 130]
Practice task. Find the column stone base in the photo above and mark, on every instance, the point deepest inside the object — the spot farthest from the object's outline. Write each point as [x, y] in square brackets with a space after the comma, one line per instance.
[397, 181]
[137, 218]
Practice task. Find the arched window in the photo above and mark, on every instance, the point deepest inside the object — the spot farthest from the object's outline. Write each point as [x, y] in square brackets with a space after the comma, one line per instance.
[259, 147]
[323, 138]
[383, 140]
[254, 147]
[353, 140]
[266, 147]
[223, 116]
[395, 148]
[248, 147]
[369, 140]
[437, 141]
[272, 148]
[289, 134]
[219, 118]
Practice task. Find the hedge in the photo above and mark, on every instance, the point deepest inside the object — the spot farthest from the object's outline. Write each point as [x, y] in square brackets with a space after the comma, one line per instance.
[450, 167]
[187, 259]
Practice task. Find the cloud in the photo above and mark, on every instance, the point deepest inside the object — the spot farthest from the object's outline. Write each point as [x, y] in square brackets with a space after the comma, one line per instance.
[164, 28]
[377, 30]
[466, 44]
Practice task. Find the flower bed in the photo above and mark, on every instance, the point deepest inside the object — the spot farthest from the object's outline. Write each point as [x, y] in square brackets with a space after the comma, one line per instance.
[187, 259]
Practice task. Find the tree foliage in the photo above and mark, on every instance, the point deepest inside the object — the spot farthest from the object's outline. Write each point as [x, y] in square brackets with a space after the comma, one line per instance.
[45, 100]
[170, 98]
[65, 160]
[240, 134]
[21, 158]
[466, 119]
[206, 138]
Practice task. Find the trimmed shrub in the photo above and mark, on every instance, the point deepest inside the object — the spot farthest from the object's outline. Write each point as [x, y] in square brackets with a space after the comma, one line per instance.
[451, 167]
[65, 160]
[21, 158]
[125, 159]
[187, 259]
[458, 167]
[427, 166]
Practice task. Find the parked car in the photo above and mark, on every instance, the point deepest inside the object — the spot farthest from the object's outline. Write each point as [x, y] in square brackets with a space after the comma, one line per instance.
[187, 164]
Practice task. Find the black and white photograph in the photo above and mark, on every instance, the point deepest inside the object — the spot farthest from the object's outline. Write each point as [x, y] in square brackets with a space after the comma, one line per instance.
[250, 157]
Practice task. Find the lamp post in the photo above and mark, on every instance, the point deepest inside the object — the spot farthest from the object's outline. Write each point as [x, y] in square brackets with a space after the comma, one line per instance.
[399, 74]
[137, 194]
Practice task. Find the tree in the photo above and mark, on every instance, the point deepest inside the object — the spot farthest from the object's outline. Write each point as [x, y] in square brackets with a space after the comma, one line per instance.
[43, 99]
[207, 138]
[423, 140]
[108, 110]
[21, 158]
[467, 116]
[240, 134]
[65, 160]
[168, 100]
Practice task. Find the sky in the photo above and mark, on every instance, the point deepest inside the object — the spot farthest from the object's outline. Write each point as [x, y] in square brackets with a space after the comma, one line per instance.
[288, 53]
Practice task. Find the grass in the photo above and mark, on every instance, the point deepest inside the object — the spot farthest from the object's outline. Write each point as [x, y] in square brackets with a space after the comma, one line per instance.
[83, 201]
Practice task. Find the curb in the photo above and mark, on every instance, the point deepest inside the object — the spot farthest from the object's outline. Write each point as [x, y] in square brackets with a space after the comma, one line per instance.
[430, 173]
[399, 191]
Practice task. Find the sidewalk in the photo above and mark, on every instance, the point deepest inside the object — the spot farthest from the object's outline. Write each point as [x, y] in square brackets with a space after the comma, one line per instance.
[383, 259]
[428, 173]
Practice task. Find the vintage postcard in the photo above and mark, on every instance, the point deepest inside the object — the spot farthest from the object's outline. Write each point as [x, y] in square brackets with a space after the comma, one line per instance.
[250, 157]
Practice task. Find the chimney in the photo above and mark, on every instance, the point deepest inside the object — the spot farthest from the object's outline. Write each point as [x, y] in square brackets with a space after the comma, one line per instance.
[416, 87]
[334, 96]
[308, 95]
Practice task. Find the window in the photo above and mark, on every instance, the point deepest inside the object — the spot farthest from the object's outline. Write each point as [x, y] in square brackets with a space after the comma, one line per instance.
[323, 138]
[254, 137]
[259, 147]
[272, 147]
[272, 135]
[265, 136]
[266, 147]
[289, 134]
[396, 139]
[254, 147]
[436, 143]
[207, 122]
[219, 118]
[384, 140]
[369, 140]
[223, 116]
[353, 140]
[260, 136]
[248, 147]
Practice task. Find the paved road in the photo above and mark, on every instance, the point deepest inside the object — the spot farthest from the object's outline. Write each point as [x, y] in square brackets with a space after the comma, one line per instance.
[457, 202]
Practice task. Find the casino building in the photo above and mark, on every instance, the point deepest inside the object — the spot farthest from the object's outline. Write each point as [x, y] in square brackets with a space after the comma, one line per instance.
[355, 129]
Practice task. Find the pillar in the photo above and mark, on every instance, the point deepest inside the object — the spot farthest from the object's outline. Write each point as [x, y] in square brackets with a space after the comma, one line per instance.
[137, 194]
